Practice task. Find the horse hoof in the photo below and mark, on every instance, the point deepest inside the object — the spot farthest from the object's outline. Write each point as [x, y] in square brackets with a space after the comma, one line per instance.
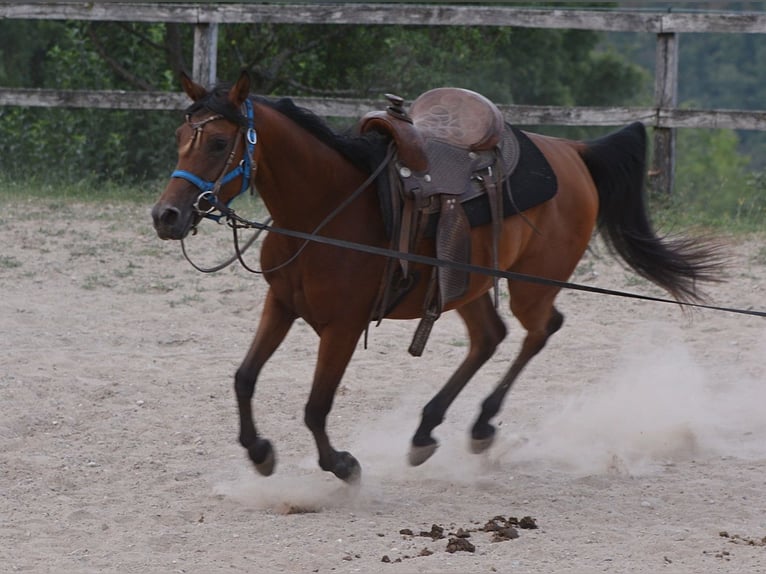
[347, 468]
[479, 445]
[419, 454]
[482, 438]
[355, 476]
[262, 455]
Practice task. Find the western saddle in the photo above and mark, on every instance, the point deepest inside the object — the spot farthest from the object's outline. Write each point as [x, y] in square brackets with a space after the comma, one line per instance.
[452, 146]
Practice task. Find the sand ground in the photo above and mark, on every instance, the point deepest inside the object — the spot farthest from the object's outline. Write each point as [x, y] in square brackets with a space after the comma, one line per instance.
[636, 440]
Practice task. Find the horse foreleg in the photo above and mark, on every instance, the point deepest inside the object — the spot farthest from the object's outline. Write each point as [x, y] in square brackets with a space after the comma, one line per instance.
[485, 331]
[336, 346]
[275, 322]
[483, 433]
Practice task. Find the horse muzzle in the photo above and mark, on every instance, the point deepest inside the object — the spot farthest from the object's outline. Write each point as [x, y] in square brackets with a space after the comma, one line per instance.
[172, 222]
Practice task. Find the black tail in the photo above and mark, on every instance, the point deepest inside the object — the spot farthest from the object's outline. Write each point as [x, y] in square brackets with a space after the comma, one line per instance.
[617, 163]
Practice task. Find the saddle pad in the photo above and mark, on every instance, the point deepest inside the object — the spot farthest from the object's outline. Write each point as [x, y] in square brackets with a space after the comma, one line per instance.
[530, 184]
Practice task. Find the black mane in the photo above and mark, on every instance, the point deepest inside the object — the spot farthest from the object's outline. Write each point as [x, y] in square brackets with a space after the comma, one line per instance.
[217, 101]
[363, 151]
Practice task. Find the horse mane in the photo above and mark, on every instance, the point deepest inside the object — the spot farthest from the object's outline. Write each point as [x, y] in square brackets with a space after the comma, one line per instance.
[217, 101]
[360, 150]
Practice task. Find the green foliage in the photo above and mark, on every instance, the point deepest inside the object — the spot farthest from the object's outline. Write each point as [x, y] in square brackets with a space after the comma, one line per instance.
[725, 71]
[98, 145]
[714, 185]
[23, 51]
[709, 164]
[506, 64]
[71, 145]
[87, 150]
[35, 187]
[714, 70]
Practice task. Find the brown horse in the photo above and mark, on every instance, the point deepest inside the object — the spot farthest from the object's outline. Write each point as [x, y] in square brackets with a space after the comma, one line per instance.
[303, 171]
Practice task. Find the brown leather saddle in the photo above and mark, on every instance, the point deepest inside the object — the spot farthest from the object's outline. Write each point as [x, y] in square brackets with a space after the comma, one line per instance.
[452, 146]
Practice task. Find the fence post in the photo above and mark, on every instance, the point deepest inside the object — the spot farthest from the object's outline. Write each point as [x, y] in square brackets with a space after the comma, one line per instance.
[662, 172]
[205, 60]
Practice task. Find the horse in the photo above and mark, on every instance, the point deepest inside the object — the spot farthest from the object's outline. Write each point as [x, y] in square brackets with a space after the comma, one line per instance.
[304, 170]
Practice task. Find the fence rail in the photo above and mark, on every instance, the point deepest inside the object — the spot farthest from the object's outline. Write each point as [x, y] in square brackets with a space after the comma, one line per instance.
[663, 116]
[354, 108]
[393, 13]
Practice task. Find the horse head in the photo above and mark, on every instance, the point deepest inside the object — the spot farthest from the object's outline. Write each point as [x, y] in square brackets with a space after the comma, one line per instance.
[216, 148]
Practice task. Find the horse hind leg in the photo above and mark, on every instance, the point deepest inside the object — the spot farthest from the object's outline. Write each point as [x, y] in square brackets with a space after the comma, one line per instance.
[485, 330]
[272, 329]
[483, 432]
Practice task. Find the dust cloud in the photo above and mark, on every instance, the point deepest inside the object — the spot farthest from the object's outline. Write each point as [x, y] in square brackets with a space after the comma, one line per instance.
[661, 404]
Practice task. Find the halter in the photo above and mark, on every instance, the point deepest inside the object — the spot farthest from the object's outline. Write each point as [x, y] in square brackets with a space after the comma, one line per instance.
[209, 189]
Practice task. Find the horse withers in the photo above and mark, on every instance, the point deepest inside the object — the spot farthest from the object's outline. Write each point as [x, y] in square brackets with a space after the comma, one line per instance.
[310, 177]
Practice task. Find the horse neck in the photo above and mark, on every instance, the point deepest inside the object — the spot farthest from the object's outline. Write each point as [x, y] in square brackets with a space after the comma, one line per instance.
[300, 178]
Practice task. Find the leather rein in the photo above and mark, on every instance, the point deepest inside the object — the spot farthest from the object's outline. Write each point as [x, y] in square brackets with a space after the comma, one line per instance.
[209, 189]
[469, 267]
[246, 168]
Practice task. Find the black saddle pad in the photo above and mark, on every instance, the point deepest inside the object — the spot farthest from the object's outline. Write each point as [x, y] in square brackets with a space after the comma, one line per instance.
[531, 183]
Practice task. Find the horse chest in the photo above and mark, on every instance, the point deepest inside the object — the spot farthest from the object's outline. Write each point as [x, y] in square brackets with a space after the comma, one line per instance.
[302, 306]
[298, 292]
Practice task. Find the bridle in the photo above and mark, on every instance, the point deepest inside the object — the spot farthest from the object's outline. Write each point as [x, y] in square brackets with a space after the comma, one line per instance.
[246, 168]
[209, 189]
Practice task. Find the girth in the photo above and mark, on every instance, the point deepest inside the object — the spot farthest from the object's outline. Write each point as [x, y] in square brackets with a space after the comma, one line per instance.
[452, 147]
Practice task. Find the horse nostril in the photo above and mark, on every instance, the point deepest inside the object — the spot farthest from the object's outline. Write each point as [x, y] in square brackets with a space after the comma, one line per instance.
[169, 216]
[170, 222]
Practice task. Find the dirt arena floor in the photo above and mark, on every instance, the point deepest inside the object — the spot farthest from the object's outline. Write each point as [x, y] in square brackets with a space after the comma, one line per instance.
[636, 442]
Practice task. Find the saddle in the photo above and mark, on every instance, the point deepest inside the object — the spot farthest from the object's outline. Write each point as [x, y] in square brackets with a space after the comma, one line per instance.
[452, 146]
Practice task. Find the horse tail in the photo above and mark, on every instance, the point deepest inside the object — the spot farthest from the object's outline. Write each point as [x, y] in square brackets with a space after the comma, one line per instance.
[617, 164]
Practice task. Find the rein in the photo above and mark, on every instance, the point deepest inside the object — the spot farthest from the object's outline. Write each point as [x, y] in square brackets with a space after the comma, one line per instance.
[237, 255]
[209, 189]
[246, 168]
[236, 220]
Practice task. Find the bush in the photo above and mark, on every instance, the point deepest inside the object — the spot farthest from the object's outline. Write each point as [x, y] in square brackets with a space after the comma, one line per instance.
[61, 144]
[714, 185]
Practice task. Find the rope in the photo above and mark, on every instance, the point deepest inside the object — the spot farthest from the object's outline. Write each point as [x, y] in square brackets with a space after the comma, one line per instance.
[470, 268]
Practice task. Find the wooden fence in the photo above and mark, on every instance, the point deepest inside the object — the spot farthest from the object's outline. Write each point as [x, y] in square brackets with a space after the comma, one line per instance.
[663, 116]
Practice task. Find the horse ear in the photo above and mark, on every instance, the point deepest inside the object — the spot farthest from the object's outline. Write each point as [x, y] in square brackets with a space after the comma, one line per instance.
[192, 89]
[240, 90]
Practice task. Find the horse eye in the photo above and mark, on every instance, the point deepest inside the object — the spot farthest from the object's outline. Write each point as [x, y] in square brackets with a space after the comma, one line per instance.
[217, 145]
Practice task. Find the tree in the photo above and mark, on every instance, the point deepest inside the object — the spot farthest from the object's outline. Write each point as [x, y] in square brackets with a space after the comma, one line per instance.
[508, 65]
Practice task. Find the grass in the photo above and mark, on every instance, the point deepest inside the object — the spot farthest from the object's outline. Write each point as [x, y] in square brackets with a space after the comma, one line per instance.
[760, 256]
[684, 210]
[97, 280]
[8, 262]
[62, 195]
[738, 209]
[680, 218]
[187, 300]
